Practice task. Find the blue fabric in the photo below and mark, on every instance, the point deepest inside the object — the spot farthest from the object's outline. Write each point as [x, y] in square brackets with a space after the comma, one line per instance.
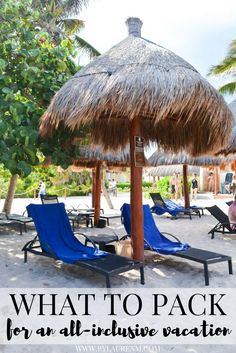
[171, 207]
[56, 236]
[154, 240]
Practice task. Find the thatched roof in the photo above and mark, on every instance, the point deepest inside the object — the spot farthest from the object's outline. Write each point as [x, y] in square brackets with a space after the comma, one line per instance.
[231, 146]
[167, 170]
[137, 78]
[159, 158]
[90, 156]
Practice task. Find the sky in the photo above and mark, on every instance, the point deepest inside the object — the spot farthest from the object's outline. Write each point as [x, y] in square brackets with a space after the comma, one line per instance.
[199, 31]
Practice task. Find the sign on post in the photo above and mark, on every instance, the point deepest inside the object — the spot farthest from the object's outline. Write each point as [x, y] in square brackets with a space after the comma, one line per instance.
[139, 156]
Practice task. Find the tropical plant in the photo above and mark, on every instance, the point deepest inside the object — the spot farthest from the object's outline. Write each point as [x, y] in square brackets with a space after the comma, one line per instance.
[227, 67]
[32, 69]
[60, 19]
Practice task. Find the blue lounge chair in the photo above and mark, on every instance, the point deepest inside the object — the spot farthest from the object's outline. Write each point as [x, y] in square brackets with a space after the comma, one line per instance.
[155, 241]
[162, 206]
[55, 239]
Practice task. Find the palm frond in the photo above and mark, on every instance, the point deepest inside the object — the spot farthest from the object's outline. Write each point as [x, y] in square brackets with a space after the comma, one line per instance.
[232, 48]
[227, 66]
[229, 88]
[70, 25]
[86, 47]
[72, 6]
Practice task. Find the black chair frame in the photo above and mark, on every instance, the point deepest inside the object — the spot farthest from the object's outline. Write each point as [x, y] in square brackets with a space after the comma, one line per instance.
[107, 266]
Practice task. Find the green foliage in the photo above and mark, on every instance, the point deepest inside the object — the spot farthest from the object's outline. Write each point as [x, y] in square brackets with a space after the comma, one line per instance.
[60, 20]
[125, 186]
[227, 67]
[32, 69]
[76, 184]
[162, 186]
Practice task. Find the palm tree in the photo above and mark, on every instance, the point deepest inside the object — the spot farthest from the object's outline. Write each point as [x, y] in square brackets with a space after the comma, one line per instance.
[227, 67]
[60, 18]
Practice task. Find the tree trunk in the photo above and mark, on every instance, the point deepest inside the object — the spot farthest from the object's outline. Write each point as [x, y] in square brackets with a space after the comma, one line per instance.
[10, 194]
[136, 203]
[107, 196]
[186, 193]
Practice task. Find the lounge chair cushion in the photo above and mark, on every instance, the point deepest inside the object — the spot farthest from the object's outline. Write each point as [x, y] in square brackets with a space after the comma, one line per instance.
[56, 236]
[154, 240]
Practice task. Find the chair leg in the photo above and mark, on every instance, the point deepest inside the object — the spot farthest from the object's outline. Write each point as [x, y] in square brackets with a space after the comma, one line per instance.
[142, 280]
[108, 282]
[25, 227]
[230, 267]
[20, 225]
[206, 274]
[25, 256]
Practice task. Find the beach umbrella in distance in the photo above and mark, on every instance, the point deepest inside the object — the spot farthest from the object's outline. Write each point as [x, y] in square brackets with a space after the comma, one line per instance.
[167, 170]
[161, 158]
[140, 89]
[94, 157]
[231, 145]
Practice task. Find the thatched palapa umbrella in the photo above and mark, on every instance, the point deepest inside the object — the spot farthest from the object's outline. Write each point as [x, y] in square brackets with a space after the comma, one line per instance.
[95, 157]
[166, 170]
[231, 146]
[160, 158]
[141, 89]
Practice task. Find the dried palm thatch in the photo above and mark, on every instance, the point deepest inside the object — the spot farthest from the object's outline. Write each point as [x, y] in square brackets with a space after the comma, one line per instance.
[231, 146]
[167, 170]
[176, 107]
[159, 158]
[89, 157]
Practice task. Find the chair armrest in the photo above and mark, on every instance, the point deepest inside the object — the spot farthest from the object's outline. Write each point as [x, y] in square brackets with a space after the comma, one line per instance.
[30, 243]
[117, 238]
[172, 236]
[149, 245]
[87, 238]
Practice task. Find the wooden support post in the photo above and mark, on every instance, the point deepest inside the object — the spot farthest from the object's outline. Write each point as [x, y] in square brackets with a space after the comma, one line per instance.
[186, 193]
[216, 180]
[234, 168]
[137, 230]
[93, 186]
[97, 199]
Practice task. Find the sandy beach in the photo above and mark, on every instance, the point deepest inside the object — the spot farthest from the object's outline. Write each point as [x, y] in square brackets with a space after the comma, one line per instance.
[160, 271]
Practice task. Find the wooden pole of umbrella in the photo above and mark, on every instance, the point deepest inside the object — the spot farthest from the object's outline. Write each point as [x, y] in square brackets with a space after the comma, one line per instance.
[234, 167]
[93, 186]
[186, 193]
[136, 204]
[217, 180]
[97, 199]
